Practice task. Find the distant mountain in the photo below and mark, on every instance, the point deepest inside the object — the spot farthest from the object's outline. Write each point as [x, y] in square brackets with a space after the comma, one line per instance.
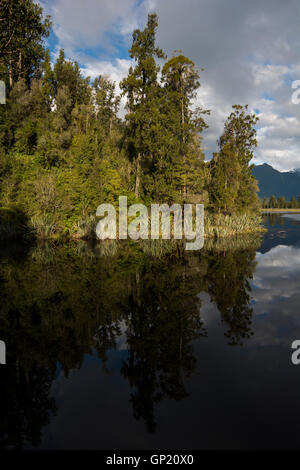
[271, 181]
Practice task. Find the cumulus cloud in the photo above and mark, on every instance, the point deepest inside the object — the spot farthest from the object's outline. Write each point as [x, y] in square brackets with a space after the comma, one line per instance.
[275, 291]
[116, 69]
[250, 52]
[101, 24]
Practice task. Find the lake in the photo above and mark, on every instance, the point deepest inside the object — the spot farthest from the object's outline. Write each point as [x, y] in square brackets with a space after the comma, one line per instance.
[144, 346]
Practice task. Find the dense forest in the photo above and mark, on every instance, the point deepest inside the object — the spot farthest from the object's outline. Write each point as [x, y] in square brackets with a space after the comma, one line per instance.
[64, 149]
[281, 203]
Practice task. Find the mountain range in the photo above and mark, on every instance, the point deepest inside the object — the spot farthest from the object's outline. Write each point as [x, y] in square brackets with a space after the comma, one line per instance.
[279, 183]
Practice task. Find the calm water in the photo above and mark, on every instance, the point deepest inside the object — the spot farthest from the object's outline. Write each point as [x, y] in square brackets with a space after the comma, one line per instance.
[117, 347]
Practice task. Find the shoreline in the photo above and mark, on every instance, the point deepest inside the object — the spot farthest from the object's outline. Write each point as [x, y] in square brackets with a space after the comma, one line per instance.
[17, 226]
[280, 210]
[213, 235]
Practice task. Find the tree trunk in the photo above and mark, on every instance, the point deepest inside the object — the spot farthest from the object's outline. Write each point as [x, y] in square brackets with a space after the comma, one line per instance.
[138, 175]
[10, 66]
[20, 65]
[10, 74]
[184, 156]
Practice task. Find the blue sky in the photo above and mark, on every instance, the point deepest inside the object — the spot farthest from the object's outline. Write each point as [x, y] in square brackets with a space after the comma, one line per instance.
[250, 52]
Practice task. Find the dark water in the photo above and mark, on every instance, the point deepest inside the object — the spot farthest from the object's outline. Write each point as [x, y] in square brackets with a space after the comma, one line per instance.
[118, 347]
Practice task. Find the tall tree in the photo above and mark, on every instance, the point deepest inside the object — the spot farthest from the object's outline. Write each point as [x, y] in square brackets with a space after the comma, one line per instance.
[141, 88]
[106, 102]
[236, 146]
[22, 30]
[293, 203]
[272, 202]
[181, 79]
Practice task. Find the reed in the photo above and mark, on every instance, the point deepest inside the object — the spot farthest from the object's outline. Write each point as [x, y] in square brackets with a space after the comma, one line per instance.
[220, 225]
[43, 226]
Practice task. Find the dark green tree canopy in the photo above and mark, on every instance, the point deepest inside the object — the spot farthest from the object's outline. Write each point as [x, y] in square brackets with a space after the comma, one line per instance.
[22, 31]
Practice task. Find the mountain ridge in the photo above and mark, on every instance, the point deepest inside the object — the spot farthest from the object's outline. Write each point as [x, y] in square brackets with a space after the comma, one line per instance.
[277, 183]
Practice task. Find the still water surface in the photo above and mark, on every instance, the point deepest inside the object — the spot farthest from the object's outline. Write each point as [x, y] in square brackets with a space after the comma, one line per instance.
[123, 348]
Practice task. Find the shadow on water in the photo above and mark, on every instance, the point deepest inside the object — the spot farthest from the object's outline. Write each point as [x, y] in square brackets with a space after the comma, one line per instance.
[61, 303]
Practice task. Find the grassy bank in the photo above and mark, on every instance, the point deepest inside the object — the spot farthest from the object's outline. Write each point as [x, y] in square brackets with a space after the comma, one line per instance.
[220, 225]
[14, 224]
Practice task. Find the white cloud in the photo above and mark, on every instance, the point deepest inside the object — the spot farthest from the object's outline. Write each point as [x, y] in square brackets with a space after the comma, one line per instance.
[116, 70]
[84, 24]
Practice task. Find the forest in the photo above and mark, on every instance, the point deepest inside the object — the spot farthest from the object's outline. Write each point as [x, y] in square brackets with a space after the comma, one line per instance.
[66, 146]
[280, 203]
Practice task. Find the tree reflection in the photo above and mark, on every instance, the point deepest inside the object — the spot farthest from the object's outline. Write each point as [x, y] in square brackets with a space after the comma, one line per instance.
[164, 322]
[58, 304]
[229, 288]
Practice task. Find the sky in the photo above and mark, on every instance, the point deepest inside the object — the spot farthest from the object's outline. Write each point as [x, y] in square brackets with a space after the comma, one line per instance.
[250, 52]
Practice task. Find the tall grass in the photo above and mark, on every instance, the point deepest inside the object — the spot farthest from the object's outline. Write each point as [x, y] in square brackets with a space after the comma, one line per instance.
[43, 226]
[13, 225]
[220, 225]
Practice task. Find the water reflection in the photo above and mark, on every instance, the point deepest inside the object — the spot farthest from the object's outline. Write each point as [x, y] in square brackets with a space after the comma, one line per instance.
[102, 339]
[60, 303]
[283, 229]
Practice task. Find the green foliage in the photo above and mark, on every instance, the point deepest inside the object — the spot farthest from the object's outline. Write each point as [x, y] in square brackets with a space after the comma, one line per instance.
[233, 187]
[222, 225]
[64, 149]
[142, 90]
[22, 30]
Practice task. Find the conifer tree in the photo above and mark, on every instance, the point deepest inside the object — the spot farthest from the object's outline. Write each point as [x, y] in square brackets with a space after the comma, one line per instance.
[293, 203]
[106, 103]
[236, 146]
[181, 81]
[272, 202]
[141, 88]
